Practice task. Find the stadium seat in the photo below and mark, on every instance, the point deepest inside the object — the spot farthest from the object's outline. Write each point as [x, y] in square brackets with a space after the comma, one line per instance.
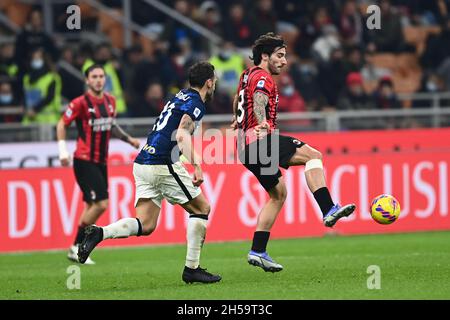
[16, 11]
[112, 28]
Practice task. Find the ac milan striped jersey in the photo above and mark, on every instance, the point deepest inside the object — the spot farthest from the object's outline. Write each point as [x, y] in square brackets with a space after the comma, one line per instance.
[94, 118]
[252, 80]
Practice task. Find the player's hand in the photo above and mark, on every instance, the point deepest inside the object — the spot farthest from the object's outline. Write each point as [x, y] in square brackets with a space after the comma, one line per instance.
[262, 129]
[65, 162]
[134, 142]
[234, 124]
[198, 176]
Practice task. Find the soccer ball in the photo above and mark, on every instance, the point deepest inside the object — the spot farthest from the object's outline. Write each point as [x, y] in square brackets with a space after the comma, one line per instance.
[385, 209]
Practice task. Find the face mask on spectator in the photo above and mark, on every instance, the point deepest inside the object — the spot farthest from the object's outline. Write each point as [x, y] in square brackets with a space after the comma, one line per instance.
[226, 54]
[37, 63]
[6, 98]
[431, 86]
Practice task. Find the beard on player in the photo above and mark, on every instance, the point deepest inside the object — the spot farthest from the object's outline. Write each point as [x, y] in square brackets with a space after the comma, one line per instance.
[97, 88]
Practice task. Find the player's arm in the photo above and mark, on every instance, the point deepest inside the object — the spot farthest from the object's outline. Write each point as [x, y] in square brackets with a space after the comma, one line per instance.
[234, 124]
[184, 141]
[260, 101]
[64, 156]
[119, 133]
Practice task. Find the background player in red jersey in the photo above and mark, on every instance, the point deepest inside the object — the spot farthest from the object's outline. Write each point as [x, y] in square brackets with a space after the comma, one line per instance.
[262, 150]
[94, 113]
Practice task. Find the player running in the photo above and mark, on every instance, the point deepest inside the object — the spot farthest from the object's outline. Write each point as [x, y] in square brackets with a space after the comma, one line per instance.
[159, 174]
[94, 113]
[262, 150]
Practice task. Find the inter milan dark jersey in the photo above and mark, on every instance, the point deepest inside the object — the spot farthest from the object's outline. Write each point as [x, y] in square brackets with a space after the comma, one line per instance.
[94, 118]
[161, 146]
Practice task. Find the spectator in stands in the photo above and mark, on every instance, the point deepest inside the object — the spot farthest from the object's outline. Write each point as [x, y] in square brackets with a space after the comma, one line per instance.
[72, 86]
[331, 77]
[176, 32]
[290, 100]
[103, 56]
[353, 61]
[305, 76]
[262, 17]
[350, 24]
[155, 66]
[370, 71]
[9, 100]
[131, 60]
[236, 26]
[385, 96]
[42, 90]
[326, 43]
[211, 18]
[353, 96]
[437, 47]
[31, 37]
[431, 82]
[426, 13]
[228, 65]
[9, 68]
[390, 37]
[151, 104]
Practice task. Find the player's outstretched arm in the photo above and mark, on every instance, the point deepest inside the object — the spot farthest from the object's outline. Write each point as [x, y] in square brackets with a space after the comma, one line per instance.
[119, 133]
[184, 141]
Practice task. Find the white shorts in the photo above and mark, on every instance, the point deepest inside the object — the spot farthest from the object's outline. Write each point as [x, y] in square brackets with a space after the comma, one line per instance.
[159, 181]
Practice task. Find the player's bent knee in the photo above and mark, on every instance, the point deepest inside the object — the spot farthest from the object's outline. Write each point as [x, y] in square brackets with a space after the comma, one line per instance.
[279, 194]
[315, 155]
[102, 205]
[203, 209]
[148, 229]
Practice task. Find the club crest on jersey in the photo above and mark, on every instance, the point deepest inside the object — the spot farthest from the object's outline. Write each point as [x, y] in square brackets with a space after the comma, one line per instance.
[260, 84]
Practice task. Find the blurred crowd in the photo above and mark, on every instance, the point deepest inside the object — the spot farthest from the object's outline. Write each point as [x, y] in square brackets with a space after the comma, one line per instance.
[331, 55]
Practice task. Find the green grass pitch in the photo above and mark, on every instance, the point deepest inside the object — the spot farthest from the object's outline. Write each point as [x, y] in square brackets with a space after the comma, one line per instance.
[412, 266]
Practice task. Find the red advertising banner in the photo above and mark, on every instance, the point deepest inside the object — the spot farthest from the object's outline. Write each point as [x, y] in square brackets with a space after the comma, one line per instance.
[40, 208]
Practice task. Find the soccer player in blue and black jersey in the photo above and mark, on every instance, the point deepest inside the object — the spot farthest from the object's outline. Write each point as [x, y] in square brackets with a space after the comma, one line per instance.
[159, 174]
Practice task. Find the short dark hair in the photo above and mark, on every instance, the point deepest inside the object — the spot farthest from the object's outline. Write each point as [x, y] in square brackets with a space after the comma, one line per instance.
[91, 68]
[267, 43]
[199, 73]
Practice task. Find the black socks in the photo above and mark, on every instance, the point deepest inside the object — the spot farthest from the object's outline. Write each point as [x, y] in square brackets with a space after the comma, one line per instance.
[260, 239]
[324, 200]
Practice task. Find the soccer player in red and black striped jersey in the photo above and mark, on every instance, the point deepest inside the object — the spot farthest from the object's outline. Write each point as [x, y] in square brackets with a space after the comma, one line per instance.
[262, 150]
[94, 114]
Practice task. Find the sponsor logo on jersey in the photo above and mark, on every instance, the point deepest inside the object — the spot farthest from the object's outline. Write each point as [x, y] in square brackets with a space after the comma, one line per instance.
[180, 95]
[260, 84]
[101, 124]
[149, 149]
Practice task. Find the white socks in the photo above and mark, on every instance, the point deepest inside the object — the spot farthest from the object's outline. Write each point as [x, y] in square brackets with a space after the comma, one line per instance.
[196, 231]
[121, 229]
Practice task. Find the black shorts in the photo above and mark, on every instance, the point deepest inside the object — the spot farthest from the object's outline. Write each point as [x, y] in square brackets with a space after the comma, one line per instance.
[92, 178]
[264, 157]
